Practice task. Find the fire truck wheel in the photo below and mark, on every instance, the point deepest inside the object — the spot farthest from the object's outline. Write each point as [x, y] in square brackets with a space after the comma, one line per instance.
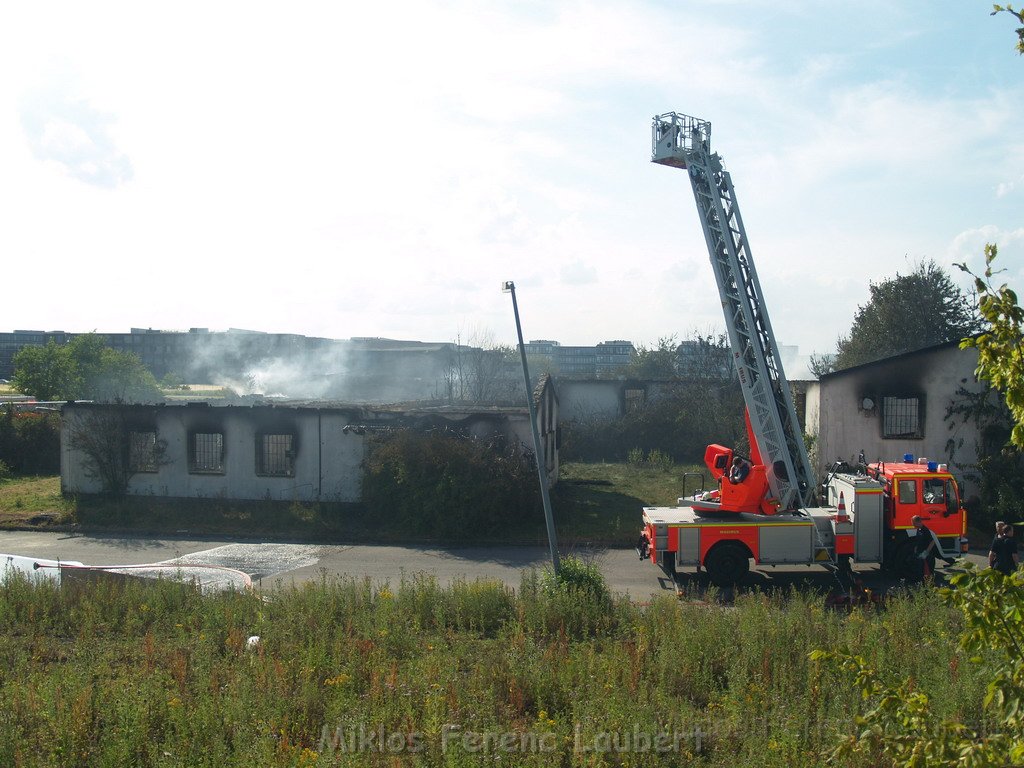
[727, 564]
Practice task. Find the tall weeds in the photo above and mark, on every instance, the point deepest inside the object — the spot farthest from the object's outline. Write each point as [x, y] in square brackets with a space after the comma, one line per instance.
[356, 673]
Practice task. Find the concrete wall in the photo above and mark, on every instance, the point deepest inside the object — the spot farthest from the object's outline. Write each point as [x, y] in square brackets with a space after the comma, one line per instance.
[588, 399]
[845, 426]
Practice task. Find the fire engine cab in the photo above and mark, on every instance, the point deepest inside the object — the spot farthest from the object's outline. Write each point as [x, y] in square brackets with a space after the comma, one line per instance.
[924, 488]
[766, 506]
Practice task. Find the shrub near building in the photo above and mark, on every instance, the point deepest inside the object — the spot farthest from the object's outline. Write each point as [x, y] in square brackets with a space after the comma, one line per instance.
[30, 442]
[447, 485]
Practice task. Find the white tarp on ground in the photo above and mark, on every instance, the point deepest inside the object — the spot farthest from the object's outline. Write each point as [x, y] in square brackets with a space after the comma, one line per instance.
[219, 568]
[260, 561]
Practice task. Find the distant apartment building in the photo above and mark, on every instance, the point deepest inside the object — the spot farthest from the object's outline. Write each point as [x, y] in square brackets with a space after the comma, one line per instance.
[603, 360]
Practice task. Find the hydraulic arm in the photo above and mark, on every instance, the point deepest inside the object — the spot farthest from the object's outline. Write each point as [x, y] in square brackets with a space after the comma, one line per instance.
[682, 141]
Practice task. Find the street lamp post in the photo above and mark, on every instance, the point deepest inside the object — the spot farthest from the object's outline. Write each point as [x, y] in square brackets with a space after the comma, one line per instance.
[542, 471]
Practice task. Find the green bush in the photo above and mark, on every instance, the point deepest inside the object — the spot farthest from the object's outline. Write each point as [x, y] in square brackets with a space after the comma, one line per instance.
[30, 442]
[659, 460]
[447, 485]
[575, 575]
[655, 459]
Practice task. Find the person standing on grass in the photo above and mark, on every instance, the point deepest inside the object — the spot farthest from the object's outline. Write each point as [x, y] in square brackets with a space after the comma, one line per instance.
[1003, 556]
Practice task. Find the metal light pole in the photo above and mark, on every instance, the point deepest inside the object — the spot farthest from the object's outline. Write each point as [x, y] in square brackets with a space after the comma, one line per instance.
[542, 471]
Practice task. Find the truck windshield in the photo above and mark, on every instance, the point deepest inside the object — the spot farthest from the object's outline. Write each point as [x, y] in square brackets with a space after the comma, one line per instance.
[934, 490]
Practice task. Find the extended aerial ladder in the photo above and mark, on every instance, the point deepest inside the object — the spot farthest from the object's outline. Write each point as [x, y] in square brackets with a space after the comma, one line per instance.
[682, 141]
[771, 514]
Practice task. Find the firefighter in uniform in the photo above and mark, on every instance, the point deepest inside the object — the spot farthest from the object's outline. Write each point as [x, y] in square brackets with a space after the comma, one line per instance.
[924, 546]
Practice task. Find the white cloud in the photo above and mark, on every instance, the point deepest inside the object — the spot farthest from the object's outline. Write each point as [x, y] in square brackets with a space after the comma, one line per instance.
[380, 169]
[1005, 188]
[76, 137]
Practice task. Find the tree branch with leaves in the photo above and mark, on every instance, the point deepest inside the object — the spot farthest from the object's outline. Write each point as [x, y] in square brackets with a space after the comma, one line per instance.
[1019, 15]
[1001, 345]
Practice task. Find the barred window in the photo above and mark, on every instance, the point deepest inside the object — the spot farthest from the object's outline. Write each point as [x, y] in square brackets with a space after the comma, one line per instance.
[901, 417]
[142, 451]
[206, 452]
[275, 455]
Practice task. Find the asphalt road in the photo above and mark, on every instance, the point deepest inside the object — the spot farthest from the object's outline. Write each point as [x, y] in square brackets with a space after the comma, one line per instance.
[271, 564]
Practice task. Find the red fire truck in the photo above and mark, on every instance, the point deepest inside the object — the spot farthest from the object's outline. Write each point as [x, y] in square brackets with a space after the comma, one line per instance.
[765, 506]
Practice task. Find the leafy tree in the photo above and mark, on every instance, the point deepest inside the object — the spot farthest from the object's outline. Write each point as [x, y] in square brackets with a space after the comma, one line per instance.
[84, 369]
[657, 361]
[46, 373]
[822, 364]
[700, 355]
[1001, 345]
[1019, 15]
[905, 313]
[706, 355]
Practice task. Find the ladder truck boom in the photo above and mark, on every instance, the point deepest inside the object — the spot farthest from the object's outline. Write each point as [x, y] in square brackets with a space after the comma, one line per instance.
[767, 511]
[682, 141]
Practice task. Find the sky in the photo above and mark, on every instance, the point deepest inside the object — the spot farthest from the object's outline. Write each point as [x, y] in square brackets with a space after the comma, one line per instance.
[347, 169]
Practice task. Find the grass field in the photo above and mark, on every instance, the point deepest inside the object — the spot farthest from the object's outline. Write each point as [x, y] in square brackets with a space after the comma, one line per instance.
[346, 673]
[596, 503]
[34, 501]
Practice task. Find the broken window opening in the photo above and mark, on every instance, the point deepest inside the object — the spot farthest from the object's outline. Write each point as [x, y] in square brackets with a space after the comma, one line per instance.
[142, 453]
[275, 455]
[634, 398]
[901, 417]
[206, 452]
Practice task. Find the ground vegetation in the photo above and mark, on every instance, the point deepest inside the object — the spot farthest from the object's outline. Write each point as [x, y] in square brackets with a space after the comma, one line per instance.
[359, 674]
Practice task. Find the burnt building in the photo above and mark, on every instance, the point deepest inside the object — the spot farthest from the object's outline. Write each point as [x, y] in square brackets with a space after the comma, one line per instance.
[896, 406]
[288, 451]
